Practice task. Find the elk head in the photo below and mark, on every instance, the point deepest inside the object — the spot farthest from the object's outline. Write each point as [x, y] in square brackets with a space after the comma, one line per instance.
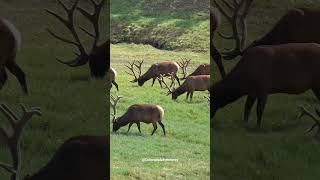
[184, 63]
[170, 88]
[12, 139]
[135, 68]
[113, 102]
[98, 54]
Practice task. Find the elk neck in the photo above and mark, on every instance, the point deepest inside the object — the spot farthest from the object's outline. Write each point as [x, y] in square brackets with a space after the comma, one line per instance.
[181, 89]
[124, 120]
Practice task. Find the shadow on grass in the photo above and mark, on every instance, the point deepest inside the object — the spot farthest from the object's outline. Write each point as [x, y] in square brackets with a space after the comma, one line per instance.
[129, 134]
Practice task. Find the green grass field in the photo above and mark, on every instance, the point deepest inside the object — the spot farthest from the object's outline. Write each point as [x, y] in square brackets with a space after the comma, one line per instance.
[186, 123]
[281, 150]
[71, 102]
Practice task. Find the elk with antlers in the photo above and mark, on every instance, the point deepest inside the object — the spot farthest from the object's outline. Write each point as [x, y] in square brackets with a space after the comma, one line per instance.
[111, 75]
[78, 158]
[235, 12]
[191, 84]
[12, 139]
[165, 68]
[98, 54]
[147, 113]
[265, 70]
[9, 46]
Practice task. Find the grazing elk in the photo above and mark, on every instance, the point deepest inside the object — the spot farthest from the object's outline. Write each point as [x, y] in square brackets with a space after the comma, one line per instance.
[191, 84]
[264, 70]
[111, 75]
[163, 68]
[147, 113]
[9, 46]
[79, 158]
[99, 55]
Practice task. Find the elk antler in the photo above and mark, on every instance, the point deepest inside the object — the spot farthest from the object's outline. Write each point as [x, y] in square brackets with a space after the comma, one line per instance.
[12, 139]
[184, 63]
[81, 58]
[172, 78]
[132, 67]
[316, 120]
[113, 102]
[235, 12]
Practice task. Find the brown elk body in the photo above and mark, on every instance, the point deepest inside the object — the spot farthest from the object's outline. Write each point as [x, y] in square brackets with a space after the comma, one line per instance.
[264, 70]
[299, 25]
[111, 75]
[164, 68]
[9, 46]
[191, 84]
[81, 158]
[147, 113]
[202, 69]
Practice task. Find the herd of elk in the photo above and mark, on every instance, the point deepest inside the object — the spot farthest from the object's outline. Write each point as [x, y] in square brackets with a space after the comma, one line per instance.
[263, 70]
[9, 46]
[147, 113]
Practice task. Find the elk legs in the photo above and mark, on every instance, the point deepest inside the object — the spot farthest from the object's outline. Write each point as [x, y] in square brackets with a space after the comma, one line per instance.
[248, 106]
[262, 100]
[162, 126]
[16, 70]
[155, 127]
[138, 124]
[116, 85]
[129, 127]
[3, 77]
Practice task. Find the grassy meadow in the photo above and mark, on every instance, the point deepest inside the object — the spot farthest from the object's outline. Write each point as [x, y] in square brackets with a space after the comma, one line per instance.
[281, 150]
[186, 123]
[71, 102]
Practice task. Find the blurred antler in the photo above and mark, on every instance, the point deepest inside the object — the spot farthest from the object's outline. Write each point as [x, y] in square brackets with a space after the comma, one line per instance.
[12, 140]
[184, 63]
[235, 12]
[315, 118]
[172, 85]
[113, 102]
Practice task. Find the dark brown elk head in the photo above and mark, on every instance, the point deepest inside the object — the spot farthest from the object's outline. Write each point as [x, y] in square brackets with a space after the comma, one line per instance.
[98, 55]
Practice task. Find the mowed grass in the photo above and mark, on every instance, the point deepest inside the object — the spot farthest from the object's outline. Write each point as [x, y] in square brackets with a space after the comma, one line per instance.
[71, 102]
[186, 123]
[281, 150]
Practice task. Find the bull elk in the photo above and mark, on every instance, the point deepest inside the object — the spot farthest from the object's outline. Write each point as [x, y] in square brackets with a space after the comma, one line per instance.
[165, 68]
[80, 157]
[147, 113]
[10, 44]
[191, 84]
[264, 70]
[98, 55]
[111, 75]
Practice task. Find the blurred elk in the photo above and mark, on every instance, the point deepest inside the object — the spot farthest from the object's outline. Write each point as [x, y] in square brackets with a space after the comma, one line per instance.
[235, 12]
[165, 68]
[147, 113]
[202, 69]
[12, 137]
[98, 55]
[191, 84]
[78, 158]
[9, 46]
[266, 70]
[111, 75]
